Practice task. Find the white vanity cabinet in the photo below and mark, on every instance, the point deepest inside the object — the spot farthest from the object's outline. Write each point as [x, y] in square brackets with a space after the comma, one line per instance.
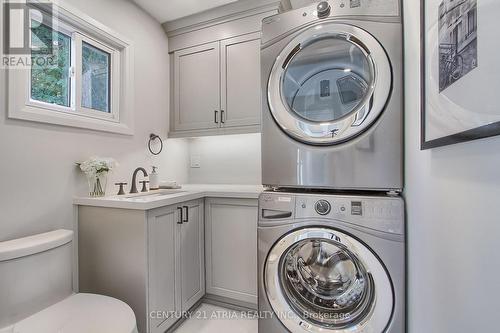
[153, 260]
[231, 250]
[176, 262]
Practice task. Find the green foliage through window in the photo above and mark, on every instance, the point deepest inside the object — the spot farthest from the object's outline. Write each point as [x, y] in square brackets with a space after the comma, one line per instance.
[95, 78]
[50, 77]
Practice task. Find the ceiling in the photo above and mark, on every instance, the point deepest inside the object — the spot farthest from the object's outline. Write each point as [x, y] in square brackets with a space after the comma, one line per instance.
[168, 10]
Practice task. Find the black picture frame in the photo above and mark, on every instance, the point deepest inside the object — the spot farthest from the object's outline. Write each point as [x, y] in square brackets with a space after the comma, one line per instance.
[481, 132]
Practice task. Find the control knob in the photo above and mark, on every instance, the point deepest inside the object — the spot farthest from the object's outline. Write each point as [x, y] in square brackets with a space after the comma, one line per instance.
[323, 207]
[323, 9]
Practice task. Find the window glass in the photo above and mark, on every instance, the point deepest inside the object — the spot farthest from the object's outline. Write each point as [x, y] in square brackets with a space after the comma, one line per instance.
[95, 78]
[50, 76]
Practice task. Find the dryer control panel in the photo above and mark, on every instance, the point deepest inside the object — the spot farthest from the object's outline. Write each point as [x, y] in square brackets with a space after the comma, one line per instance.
[349, 7]
[366, 7]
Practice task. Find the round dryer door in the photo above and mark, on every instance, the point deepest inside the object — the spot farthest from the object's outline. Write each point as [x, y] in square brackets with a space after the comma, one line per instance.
[321, 280]
[330, 84]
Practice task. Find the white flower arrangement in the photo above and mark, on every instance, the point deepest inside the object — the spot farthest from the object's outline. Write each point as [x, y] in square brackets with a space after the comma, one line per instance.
[96, 169]
[96, 166]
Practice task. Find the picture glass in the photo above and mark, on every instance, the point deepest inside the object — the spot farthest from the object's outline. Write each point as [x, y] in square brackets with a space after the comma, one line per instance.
[462, 72]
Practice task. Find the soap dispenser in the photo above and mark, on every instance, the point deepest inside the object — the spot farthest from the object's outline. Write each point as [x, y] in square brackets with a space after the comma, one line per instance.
[154, 179]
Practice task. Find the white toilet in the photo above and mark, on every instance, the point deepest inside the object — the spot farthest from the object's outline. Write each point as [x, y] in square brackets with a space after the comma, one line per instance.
[36, 291]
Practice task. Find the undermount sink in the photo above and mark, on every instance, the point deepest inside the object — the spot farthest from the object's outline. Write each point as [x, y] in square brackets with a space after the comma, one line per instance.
[149, 196]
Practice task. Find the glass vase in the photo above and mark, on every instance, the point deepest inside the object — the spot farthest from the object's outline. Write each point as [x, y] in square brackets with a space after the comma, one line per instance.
[97, 184]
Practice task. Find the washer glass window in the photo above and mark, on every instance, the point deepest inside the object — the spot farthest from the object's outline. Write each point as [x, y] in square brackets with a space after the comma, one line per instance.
[326, 284]
[327, 79]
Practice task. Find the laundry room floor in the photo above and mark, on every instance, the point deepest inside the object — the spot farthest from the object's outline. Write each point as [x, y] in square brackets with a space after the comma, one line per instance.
[214, 319]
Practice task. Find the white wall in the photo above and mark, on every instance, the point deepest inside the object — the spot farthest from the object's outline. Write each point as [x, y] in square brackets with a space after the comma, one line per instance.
[453, 197]
[38, 177]
[230, 159]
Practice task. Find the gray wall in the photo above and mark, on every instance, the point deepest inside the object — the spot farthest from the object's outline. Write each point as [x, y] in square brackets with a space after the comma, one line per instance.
[37, 161]
[453, 196]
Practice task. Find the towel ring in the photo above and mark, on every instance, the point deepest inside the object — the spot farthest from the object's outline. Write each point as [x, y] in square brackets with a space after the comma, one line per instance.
[153, 137]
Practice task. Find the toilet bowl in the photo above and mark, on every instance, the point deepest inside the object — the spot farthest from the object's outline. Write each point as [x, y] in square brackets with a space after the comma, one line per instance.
[80, 313]
[36, 285]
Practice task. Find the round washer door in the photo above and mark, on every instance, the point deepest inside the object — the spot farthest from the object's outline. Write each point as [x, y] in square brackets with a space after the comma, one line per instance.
[329, 84]
[321, 280]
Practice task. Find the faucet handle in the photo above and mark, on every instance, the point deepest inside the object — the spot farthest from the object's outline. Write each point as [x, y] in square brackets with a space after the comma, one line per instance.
[121, 191]
[144, 188]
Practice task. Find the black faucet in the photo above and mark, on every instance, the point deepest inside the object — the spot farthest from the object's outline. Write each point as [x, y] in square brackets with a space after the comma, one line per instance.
[133, 189]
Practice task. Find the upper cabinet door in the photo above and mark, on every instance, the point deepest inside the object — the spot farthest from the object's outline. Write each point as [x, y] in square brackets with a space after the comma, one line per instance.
[192, 254]
[240, 81]
[197, 88]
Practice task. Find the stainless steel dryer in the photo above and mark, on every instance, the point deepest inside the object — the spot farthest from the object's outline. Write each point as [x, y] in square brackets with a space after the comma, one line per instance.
[331, 264]
[333, 106]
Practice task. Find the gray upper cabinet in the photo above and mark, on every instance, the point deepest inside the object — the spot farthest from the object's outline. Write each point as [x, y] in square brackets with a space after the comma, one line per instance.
[197, 88]
[215, 70]
[240, 81]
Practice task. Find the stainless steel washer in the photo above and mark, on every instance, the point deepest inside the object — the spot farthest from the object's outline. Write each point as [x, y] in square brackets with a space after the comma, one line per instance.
[331, 263]
[333, 106]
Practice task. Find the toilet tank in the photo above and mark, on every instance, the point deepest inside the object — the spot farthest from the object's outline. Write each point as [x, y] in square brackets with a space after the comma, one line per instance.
[35, 272]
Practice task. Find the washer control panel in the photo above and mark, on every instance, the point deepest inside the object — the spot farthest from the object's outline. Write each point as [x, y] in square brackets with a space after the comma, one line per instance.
[379, 213]
[384, 214]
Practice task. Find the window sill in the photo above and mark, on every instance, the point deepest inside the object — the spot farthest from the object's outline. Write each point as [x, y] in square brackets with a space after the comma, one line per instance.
[70, 120]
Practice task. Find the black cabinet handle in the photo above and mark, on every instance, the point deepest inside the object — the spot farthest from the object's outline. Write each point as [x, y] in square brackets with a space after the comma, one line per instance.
[186, 217]
[216, 119]
[180, 215]
[222, 112]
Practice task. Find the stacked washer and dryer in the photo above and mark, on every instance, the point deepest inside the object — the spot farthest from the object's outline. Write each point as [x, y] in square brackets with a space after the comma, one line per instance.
[331, 222]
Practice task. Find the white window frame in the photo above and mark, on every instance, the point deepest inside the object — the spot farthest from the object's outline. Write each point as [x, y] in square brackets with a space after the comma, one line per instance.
[81, 28]
[114, 107]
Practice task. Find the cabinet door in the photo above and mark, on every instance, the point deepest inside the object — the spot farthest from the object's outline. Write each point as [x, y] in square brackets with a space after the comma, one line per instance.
[163, 250]
[197, 88]
[192, 255]
[231, 249]
[240, 81]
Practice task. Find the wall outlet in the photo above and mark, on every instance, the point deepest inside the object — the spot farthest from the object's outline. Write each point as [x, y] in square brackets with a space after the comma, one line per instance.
[195, 161]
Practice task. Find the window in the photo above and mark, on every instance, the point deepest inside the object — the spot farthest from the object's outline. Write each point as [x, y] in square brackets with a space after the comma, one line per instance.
[96, 82]
[80, 74]
[51, 84]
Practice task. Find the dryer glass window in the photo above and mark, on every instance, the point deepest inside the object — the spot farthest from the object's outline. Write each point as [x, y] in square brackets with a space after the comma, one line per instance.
[327, 79]
[326, 284]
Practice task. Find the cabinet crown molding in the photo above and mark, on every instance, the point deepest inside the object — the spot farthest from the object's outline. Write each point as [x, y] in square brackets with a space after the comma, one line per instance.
[227, 13]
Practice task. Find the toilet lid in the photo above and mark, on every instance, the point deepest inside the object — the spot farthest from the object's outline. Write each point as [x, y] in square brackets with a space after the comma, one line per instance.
[81, 313]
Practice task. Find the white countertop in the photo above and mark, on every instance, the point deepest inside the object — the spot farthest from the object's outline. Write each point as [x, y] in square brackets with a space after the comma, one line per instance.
[189, 192]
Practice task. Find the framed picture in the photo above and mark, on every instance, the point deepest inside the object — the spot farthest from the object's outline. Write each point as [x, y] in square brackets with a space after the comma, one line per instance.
[460, 71]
